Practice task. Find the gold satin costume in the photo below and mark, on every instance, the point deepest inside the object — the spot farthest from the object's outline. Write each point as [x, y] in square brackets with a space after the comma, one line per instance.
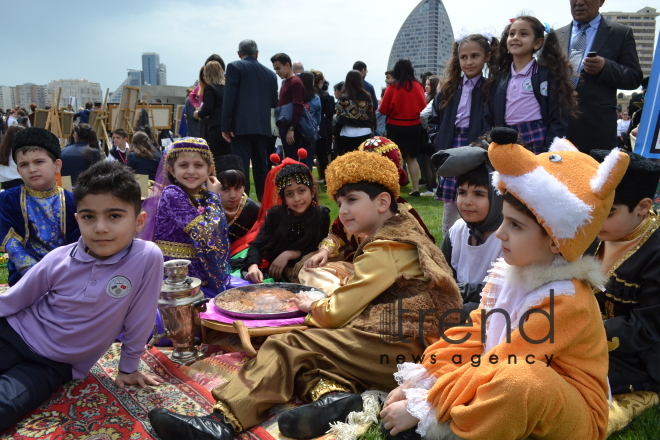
[344, 354]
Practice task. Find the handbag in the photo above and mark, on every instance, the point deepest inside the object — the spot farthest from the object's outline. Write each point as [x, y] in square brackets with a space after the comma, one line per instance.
[308, 127]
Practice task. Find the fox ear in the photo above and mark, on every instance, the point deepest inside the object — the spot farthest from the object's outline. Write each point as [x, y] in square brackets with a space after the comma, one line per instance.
[561, 144]
[609, 173]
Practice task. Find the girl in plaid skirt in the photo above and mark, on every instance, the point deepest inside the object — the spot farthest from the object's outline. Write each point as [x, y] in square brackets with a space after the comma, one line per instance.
[533, 97]
[457, 118]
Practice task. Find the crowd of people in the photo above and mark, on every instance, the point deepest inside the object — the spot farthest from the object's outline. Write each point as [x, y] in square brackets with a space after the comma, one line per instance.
[492, 333]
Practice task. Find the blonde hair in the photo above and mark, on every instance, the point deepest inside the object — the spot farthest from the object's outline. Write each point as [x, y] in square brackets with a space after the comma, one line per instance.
[213, 73]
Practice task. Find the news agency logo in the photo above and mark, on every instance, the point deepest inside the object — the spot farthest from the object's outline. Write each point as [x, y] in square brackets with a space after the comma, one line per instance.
[392, 319]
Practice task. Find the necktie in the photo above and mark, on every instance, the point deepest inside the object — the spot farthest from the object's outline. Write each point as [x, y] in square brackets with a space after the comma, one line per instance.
[577, 53]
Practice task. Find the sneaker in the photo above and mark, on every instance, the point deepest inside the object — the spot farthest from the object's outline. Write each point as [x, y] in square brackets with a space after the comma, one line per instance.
[427, 193]
[415, 194]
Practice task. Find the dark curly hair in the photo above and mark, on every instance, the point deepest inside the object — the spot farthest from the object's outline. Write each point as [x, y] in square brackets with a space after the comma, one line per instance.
[109, 177]
[552, 58]
[452, 78]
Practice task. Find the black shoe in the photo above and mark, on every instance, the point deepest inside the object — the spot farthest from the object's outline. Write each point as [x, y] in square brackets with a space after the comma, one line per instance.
[408, 434]
[415, 194]
[173, 426]
[313, 419]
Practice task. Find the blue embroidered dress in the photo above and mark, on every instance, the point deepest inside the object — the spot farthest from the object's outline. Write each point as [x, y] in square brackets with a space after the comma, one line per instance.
[33, 223]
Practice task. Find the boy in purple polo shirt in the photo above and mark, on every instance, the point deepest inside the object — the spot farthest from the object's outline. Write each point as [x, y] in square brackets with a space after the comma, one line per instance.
[60, 318]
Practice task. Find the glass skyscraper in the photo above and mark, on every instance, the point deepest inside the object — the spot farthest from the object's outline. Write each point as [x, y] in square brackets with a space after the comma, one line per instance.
[425, 38]
[150, 68]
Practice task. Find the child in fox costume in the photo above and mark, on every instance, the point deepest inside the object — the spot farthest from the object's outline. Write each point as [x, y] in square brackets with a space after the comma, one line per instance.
[540, 369]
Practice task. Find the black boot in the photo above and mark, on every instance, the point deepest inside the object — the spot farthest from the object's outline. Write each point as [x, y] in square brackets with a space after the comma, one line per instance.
[313, 419]
[408, 434]
[173, 426]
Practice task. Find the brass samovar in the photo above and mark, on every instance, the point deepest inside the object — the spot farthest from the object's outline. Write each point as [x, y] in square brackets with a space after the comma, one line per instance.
[179, 303]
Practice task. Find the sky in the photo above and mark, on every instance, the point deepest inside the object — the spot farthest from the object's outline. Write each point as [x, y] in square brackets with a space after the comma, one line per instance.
[100, 40]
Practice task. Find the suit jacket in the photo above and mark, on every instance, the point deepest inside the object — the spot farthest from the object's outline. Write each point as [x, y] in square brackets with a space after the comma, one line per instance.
[595, 126]
[250, 93]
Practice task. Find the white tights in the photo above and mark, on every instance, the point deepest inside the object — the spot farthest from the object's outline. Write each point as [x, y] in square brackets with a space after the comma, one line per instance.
[449, 216]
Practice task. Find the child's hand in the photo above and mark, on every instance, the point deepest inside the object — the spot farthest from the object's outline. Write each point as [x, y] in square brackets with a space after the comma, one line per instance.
[254, 274]
[290, 138]
[396, 417]
[319, 259]
[213, 184]
[395, 395]
[279, 264]
[303, 302]
[137, 378]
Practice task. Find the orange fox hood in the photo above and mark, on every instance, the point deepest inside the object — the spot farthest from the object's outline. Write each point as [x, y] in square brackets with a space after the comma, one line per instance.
[569, 192]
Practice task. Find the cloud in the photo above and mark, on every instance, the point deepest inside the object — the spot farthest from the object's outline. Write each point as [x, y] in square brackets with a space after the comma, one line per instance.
[99, 41]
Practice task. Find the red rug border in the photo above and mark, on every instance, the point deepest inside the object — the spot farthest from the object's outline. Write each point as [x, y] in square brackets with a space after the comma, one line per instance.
[173, 368]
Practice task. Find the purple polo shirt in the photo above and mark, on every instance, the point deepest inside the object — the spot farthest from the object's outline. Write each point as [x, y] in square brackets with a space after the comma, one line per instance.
[521, 104]
[465, 104]
[71, 306]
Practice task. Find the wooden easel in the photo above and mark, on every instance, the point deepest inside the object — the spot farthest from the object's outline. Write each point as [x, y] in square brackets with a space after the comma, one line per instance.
[125, 115]
[53, 123]
[100, 121]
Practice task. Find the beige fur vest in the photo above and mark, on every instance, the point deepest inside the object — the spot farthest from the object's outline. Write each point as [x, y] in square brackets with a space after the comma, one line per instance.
[431, 296]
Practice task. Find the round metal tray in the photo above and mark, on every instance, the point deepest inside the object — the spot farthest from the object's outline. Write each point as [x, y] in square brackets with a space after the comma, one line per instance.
[293, 288]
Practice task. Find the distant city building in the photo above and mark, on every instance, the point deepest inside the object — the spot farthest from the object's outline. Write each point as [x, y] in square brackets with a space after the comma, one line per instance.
[162, 75]
[134, 79]
[642, 23]
[150, 68]
[83, 90]
[29, 93]
[425, 38]
[7, 97]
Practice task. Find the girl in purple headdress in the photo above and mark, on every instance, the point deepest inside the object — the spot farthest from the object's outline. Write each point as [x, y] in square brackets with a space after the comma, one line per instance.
[189, 220]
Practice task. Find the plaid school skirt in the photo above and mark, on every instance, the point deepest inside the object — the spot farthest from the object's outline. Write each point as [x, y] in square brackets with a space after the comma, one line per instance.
[446, 191]
[533, 134]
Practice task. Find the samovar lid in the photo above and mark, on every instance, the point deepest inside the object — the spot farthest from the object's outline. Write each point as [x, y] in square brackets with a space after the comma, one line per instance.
[177, 279]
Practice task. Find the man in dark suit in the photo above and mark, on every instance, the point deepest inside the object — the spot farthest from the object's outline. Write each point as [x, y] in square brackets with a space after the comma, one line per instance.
[250, 94]
[615, 66]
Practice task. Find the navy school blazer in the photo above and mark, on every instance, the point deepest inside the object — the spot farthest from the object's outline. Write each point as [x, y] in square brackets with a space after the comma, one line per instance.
[443, 121]
[543, 85]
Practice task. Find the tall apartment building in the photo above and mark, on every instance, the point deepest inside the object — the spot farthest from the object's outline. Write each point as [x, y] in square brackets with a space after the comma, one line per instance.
[29, 93]
[150, 68]
[83, 90]
[7, 97]
[425, 38]
[642, 23]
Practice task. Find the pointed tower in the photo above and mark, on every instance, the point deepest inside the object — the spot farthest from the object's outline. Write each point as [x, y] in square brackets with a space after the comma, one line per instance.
[425, 38]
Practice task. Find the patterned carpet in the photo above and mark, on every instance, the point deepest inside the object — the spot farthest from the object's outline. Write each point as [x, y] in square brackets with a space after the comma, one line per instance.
[223, 361]
[95, 409]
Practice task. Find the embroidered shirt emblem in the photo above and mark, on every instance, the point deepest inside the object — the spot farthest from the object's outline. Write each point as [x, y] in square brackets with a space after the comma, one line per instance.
[544, 88]
[527, 85]
[118, 287]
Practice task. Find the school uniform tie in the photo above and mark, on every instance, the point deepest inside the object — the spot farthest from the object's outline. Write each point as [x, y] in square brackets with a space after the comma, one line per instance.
[577, 53]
